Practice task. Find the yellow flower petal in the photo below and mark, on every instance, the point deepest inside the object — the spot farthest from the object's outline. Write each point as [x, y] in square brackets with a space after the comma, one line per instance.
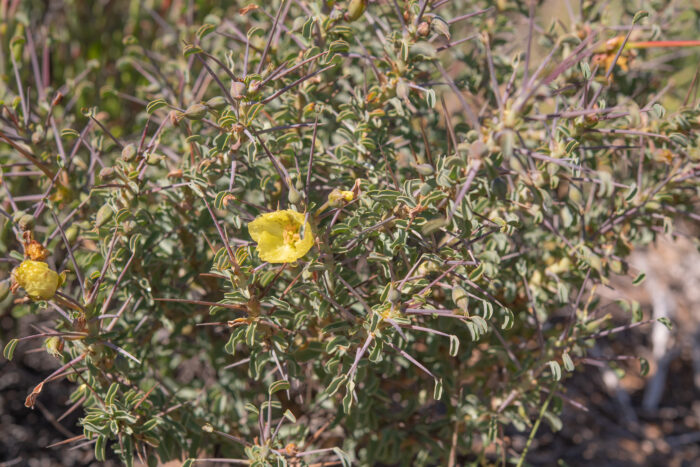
[279, 236]
[337, 198]
[37, 279]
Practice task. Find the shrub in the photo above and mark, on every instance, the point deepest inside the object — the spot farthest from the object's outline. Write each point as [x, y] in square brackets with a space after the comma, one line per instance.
[439, 189]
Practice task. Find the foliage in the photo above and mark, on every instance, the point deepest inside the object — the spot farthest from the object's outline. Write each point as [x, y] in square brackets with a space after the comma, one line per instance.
[467, 196]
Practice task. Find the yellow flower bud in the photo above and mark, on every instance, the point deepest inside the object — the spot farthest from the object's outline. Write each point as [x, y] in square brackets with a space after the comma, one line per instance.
[37, 279]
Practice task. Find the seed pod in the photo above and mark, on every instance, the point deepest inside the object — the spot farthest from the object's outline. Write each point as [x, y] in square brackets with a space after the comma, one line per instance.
[106, 173]
[128, 152]
[104, 214]
[196, 112]
[433, 225]
[425, 169]
[154, 159]
[294, 196]
[423, 29]
[394, 295]
[441, 26]
[217, 102]
[72, 233]
[26, 222]
[355, 9]
[238, 89]
[254, 85]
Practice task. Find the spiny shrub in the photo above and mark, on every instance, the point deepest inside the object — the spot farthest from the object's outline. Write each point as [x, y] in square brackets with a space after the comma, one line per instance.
[361, 232]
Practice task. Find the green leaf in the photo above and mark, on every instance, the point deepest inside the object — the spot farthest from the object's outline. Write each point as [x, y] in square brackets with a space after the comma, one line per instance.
[250, 334]
[476, 274]
[431, 98]
[348, 399]
[437, 390]
[643, 366]
[100, 448]
[553, 420]
[9, 350]
[343, 457]
[155, 105]
[281, 385]
[205, 29]
[289, 416]
[666, 322]
[508, 319]
[339, 46]
[191, 49]
[454, 345]
[639, 279]
[251, 408]
[568, 363]
[555, 370]
[111, 392]
[334, 385]
[659, 110]
[640, 15]
[585, 70]
[69, 132]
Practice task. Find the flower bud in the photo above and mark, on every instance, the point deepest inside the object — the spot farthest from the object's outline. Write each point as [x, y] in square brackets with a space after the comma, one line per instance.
[25, 222]
[129, 152]
[106, 173]
[217, 102]
[238, 89]
[394, 295]
[196, 112]
[425, 169]
[104, 214]
[355, 9]
[294, 196]
[154, 159]
[441, 27]
[423, 29]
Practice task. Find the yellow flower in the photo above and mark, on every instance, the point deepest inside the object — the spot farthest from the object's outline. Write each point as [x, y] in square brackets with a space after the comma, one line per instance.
[54, 346]
[338, 198]
[280, 237]
[37, 279]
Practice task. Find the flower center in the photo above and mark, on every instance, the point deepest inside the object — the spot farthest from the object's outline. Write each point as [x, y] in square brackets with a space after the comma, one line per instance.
[290, 234]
